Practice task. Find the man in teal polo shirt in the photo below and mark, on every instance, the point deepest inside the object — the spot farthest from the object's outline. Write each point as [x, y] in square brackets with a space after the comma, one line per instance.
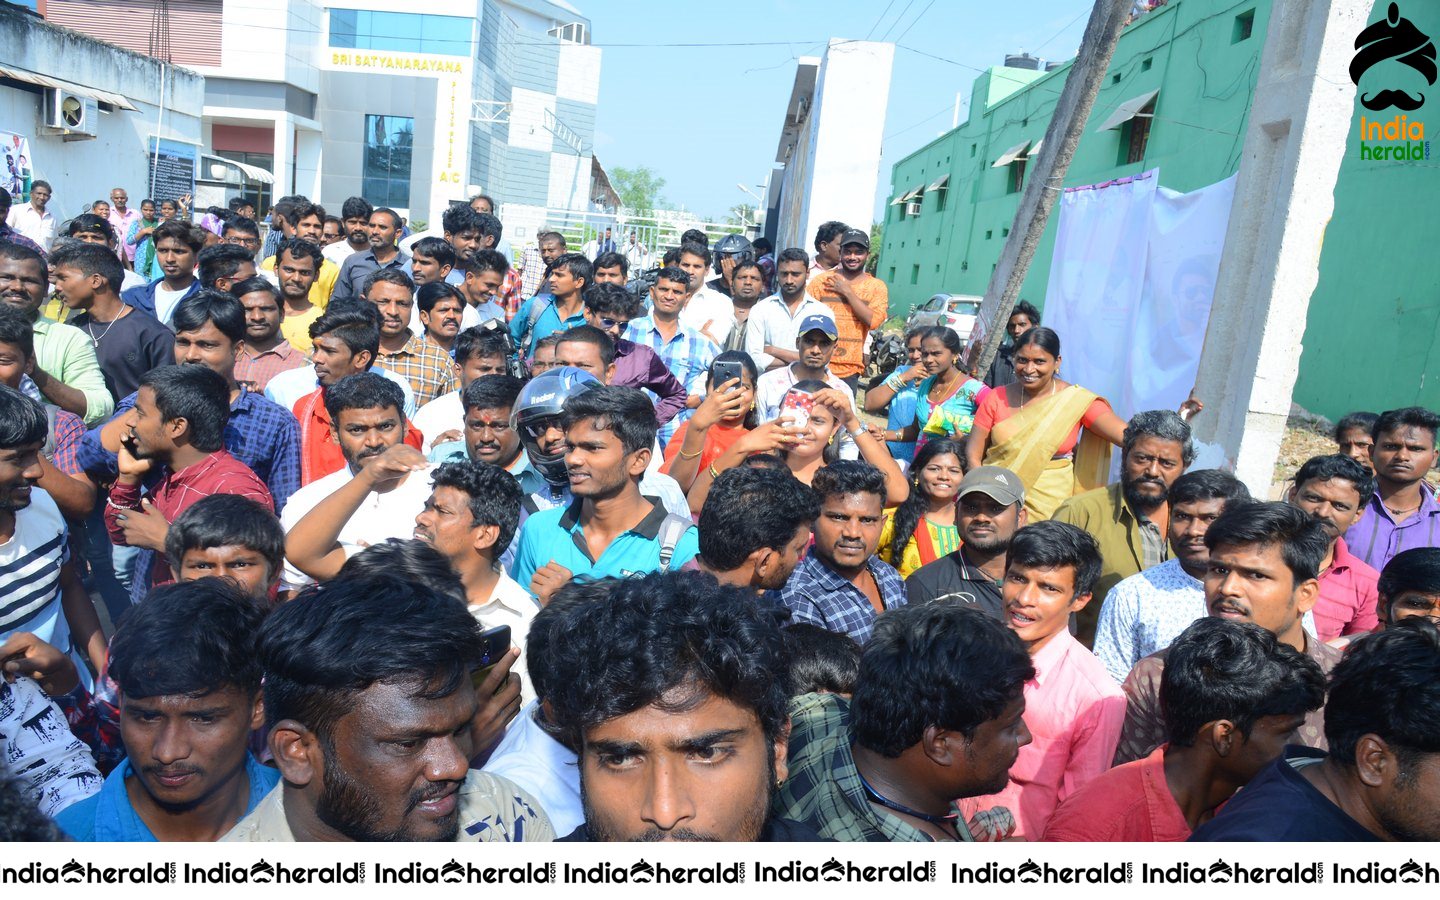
[609, 530]
[189, 680]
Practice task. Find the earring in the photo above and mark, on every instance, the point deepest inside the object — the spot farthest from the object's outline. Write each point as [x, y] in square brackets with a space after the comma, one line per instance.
[831, 442]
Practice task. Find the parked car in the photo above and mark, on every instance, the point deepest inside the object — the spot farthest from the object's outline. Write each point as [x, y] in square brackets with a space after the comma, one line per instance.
[955, 311]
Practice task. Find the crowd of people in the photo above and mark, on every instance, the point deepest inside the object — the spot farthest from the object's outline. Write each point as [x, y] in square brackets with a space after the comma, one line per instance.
[332, 531]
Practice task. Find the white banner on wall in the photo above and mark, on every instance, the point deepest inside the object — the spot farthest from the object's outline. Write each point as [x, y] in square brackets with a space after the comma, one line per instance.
[1131, 284]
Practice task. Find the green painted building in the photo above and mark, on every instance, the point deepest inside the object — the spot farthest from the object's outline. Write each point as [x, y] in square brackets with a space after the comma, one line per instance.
[1191, 66]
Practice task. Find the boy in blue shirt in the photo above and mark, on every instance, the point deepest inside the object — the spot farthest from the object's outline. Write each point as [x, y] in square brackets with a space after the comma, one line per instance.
[189, 684]
[609, 530]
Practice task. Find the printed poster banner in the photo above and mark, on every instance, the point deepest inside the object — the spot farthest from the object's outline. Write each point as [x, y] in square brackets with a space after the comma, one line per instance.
[1131, 284]
[19, 167]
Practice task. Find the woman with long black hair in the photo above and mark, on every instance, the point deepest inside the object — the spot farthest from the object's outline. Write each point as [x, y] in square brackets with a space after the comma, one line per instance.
[923, 529]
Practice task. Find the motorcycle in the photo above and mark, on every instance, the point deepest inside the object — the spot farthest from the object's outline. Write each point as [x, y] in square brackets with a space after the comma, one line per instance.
[886, 355]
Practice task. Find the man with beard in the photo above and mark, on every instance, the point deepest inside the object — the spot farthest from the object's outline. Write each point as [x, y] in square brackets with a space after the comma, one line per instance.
[1072, 708]
[482, 279]
[376, 492]
[429, 369]
[298, 263]
[176, 430]
[672, 693]
[265, 352]
[1147, 611]
[370, 706]
[309, 221]
[189, 684]
[685, 352]
[815, 346]
[33, 220]
[611, 308]
[478, 352]
[857, 300]
[990, 508]
[465, 232]
[1130, 519]
[489, 434]
[1333, 490]
[1264, 568]
[936, 716]
[609, 529]
[385, 225]
[471, 517]
[355, 219]
[1380, 779]
[346, 339]
[842, 586]
[1403, 512]
[747, 285]
[706, 311]
[67, 370]
[755, 526]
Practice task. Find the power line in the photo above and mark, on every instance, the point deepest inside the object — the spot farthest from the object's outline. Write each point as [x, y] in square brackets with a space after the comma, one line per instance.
[902, 34]
[903, 11]
[879, 20]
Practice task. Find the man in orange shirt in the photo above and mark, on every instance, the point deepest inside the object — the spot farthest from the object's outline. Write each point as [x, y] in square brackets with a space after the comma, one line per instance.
[858, 300]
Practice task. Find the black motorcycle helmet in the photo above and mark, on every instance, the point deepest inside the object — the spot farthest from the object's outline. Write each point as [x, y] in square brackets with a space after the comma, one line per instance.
[735, 245]
[541, 399]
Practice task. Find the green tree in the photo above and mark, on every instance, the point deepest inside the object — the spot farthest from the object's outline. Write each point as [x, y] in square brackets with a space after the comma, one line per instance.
[741, 215]
[877, 232]
[639, 188]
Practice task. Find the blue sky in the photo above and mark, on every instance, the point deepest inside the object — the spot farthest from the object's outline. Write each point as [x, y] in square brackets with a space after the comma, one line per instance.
[705, 118]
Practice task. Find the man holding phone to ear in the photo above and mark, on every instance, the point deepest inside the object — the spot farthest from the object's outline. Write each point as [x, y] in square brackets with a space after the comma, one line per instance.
[471, 517]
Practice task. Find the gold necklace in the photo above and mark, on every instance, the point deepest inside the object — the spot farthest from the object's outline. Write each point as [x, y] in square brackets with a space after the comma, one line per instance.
[1023, 397]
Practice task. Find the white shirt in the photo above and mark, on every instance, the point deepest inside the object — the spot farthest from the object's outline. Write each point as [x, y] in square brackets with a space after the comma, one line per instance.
[166, 300]
[773, 385]
[469, 317]
[292, 384]
[52, 768]
[709, 306]
[379, 518]
[37, 226]
[1146, 612]
[512, 605]
[132, 279]
[30, 588]
[445, 413]
[340, 251]
[542, 767]
[770, 324]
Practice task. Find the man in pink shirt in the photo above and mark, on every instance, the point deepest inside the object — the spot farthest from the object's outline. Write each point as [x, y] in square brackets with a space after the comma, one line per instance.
[122, 216]
[1073, 708]
[1232, 695]
[1333, 489]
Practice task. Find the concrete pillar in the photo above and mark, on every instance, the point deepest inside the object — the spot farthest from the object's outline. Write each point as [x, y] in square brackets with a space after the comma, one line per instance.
[1284, 197]
[284, 153]
[308, 146]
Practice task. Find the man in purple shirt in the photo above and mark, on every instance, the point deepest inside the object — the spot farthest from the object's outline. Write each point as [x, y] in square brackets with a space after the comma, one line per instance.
[609, 307]
[1402, 513]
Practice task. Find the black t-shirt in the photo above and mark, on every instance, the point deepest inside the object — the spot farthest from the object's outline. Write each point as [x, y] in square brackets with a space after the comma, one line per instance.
[128, 347]
[1279, 804]
[951, 579]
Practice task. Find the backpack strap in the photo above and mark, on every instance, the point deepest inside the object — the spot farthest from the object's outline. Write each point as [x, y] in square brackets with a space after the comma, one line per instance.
[671, 531]
[527, 338]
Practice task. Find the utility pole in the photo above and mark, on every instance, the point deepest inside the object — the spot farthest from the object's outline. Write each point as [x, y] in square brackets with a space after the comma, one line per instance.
[1294, 143]
[1042, 188]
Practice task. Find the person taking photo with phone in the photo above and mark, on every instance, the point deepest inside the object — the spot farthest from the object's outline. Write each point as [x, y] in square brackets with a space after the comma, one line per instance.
[725, 415]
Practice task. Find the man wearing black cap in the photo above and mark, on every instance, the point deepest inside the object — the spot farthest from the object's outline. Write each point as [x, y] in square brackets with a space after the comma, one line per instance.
[858, 300]
[990, 509]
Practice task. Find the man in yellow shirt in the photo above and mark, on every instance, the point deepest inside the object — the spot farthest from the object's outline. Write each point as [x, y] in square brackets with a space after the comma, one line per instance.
[307, 223]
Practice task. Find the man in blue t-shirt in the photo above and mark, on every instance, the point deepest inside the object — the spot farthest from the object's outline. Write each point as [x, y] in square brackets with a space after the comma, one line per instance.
[189, 683]
[609, 530]
[1380, 778]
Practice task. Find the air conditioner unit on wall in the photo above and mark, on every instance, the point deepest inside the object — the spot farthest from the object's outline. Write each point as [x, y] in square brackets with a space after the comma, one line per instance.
[69, 115]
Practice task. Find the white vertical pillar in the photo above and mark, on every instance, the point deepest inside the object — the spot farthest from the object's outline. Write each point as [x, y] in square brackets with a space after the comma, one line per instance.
[1284, 197]
[284, 152]
[308, 146]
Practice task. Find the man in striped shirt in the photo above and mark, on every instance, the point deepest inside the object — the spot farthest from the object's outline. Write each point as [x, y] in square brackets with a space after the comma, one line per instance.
[40, 591]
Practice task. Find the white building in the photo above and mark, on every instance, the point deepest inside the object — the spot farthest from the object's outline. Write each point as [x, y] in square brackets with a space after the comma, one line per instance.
[89, 110]
[411, 109]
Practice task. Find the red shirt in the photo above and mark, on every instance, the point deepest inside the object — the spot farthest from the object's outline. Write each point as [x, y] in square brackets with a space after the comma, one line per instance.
[1349, 596]
[319, 454]
[1127, 803]
[218, 473]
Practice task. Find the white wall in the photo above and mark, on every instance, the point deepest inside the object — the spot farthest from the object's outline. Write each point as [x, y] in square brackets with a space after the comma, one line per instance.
[84, 171]
[854, 80]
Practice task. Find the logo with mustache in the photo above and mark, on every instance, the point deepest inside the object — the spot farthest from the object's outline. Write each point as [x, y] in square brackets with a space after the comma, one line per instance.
[1398, 39]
